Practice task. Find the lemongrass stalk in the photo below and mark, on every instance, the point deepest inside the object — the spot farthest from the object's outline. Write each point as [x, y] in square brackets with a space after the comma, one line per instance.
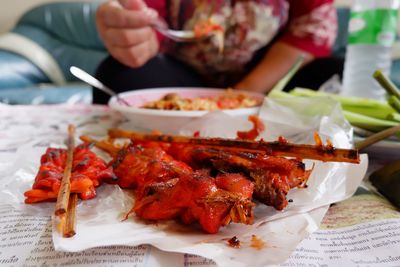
[394, 117]
[367, 122]
[279, 94]
[344, 100]
[364, 106]
[387, 84]
[394, 102]
[370, 112]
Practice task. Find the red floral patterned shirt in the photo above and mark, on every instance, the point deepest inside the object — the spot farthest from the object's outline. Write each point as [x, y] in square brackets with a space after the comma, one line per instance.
[309, 25]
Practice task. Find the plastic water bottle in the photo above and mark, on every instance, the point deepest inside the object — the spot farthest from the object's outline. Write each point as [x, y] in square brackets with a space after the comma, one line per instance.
[372, 32]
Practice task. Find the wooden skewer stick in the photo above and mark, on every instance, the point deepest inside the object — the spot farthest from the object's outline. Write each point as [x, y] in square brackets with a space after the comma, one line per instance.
[103, 145]
[65, 188]
[69, 227]
[321, 152]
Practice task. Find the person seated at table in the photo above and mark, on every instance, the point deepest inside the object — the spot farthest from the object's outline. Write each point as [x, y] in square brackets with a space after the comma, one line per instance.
[262, 39]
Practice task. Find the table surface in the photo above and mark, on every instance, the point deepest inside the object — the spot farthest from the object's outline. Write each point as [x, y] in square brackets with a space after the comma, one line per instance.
[364, 208]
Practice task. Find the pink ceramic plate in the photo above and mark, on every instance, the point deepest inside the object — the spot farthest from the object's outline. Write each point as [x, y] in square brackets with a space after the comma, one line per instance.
[139, 97]
[169, 121]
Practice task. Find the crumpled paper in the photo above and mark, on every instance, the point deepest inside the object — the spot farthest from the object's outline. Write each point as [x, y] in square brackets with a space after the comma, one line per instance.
[99, 221]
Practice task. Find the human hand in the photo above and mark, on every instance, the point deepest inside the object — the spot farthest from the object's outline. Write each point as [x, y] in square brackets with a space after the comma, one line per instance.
[125, 27]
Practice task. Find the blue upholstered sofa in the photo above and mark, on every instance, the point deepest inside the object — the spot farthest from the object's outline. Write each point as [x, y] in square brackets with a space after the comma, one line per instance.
[36, 55]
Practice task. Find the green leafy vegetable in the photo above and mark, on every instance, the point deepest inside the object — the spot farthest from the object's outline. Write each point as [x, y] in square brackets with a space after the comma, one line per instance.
[368, 114]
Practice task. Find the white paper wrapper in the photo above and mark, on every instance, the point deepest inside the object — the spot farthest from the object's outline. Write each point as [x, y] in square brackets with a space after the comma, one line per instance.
[99, 220]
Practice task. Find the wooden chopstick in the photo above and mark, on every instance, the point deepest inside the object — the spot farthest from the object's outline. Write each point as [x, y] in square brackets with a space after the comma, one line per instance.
[323, 153]
[65, 188]
[69, 227]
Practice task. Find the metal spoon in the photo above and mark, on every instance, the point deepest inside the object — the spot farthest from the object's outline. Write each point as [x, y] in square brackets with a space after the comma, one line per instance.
[89, 79]
[178, 36]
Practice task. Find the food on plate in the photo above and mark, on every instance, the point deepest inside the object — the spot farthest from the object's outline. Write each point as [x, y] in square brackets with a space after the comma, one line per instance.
[88, 171]
[209, 181]
[166, 188]
[278, 148]
[226, 100]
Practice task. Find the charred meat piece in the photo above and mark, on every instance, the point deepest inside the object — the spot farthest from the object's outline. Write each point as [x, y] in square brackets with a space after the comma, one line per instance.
[140, 165]
[273, 177]
[196, 197]
[88, 172]
[169, 189]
